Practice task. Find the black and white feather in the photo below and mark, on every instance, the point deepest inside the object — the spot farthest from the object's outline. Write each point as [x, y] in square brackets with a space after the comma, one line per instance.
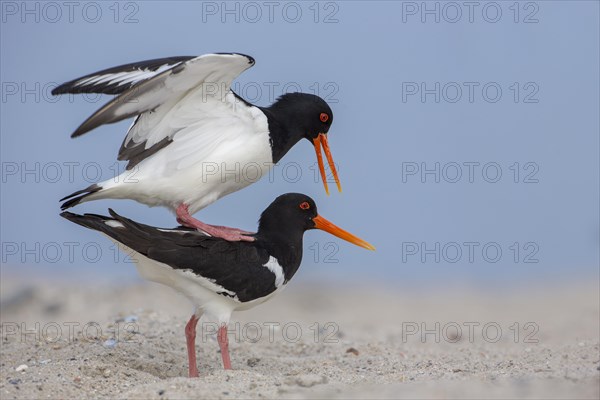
[116, 80]
[147, 85]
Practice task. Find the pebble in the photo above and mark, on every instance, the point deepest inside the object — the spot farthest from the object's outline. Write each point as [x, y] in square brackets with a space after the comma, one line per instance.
[21, 367]
[131, 318]
[352, 350]
[110, 343]
[45, 361]
[252, 361]
[106, 373]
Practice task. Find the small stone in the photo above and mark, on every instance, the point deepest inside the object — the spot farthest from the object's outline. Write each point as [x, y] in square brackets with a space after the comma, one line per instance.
[161, 392]
[14, 381]
[252, 361]
[110, 343]
[352, 350]
[77, 379]
[581, 344]
[106, 373]
[21, 368]
[43, 362]
[130, 318]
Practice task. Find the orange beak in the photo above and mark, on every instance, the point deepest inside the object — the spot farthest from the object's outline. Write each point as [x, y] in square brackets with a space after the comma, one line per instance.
[322, 140]
[323, 224]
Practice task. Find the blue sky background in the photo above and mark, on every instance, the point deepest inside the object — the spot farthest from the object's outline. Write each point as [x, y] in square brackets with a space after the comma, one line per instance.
[371, 61]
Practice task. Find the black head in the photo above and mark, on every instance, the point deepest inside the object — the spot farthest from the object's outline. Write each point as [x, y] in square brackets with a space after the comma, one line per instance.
[296, 116]
[289, 212]
[303, 114]
[290, 215]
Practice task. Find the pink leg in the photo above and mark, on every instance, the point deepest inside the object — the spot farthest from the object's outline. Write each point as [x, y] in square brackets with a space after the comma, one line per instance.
[224, 345]
[223, 232]
[190, 336]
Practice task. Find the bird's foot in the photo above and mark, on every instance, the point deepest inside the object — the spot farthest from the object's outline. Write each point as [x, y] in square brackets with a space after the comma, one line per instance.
[223, 232]
[232, 234]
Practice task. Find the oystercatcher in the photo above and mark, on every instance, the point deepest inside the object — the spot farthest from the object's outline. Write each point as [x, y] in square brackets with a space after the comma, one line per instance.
[194, 140]
[220, 276]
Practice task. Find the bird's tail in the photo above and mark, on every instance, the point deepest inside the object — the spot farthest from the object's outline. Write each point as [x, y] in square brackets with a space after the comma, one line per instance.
[77, 197]
[91, 221]
[121, 229]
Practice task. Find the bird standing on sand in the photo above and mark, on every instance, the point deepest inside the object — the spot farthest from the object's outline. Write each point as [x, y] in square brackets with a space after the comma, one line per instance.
[219, 276]
[194, 140]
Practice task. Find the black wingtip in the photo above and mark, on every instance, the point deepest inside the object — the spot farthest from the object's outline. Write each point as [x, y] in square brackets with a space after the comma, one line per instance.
[61, 89]
[251, 59]
[68, 215]
[83, 128]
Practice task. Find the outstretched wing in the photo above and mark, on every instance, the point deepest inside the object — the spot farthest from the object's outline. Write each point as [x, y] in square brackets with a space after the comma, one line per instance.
[167, 96]
[210, 73]
[116, 80]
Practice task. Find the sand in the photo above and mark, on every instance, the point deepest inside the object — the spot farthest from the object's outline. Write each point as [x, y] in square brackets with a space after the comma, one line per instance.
[116, 340]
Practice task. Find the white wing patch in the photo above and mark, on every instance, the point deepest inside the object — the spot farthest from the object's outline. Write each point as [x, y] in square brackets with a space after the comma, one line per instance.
[122, 78]
[276, 269]
[114, 224]
[208, 283]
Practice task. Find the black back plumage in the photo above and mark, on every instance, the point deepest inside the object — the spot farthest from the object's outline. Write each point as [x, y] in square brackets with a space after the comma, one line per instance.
[235, 266]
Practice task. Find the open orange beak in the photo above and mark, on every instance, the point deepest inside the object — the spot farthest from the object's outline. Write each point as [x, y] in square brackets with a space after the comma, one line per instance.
[323, 224]
[322, 140]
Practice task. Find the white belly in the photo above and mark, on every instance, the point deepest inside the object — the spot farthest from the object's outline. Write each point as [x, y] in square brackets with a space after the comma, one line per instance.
[202, 183]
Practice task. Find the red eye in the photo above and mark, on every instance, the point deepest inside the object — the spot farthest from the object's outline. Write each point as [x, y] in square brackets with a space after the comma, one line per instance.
[324, 117]
[305, 205]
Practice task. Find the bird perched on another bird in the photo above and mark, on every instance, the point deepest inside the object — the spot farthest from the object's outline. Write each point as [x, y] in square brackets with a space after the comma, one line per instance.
[219, 276]
[194, 140]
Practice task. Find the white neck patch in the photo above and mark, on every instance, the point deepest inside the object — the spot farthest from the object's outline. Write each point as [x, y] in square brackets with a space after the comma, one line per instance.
[275, 268]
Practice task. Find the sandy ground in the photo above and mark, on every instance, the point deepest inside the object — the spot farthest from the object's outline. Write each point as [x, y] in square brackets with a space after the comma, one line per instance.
[105, 340]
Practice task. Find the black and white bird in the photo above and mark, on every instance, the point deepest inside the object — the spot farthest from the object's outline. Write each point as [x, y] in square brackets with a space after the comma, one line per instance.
[194, 140]
[220, 276]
